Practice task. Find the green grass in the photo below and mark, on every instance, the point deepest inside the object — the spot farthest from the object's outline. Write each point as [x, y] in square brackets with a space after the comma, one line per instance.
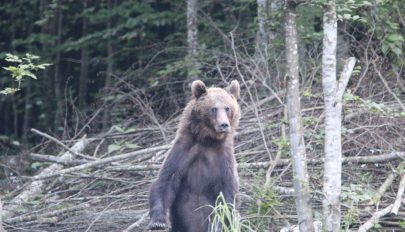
[225, 216]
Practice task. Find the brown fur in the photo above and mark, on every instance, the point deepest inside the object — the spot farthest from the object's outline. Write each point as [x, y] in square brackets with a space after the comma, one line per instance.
[200, 164]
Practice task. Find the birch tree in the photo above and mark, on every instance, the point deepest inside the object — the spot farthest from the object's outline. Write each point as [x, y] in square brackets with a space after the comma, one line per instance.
[297, 146]
[1, 213]
[262, 33]
[192, 43]
[333, 93]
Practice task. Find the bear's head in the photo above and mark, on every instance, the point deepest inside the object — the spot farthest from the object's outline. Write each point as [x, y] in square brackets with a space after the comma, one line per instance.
[214, 112]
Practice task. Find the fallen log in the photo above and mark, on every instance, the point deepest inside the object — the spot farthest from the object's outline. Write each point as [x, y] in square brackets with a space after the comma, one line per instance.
[36, 187]
[374, 219]
[47, 215]
[55, 159]
[99, 162]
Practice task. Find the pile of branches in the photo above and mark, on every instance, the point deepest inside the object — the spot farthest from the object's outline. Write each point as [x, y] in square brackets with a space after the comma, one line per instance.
[101, 183]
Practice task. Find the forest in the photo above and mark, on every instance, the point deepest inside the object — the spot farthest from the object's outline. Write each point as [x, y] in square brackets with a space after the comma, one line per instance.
[91, 93]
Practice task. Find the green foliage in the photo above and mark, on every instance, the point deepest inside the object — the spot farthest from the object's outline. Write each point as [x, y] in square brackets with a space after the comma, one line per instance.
[37, 165]
[352, 196]
[371, 106]
[262, 203]
[120, 146]
[356, 193]
[402, 224]
[23, 68]
[350, 217]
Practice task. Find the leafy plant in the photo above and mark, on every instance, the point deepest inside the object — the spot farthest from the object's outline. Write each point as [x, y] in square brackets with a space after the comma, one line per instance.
[24, 68]
[262, 203]
[225, 217]
[371, 106]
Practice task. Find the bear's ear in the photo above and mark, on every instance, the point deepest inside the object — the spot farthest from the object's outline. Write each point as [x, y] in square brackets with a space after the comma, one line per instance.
[234, 89]
[198, 88]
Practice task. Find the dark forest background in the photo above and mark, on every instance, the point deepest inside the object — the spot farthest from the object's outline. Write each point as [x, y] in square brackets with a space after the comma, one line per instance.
[105, 52]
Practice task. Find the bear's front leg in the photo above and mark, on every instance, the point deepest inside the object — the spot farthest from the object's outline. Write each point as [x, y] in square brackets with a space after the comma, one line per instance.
[158, 223]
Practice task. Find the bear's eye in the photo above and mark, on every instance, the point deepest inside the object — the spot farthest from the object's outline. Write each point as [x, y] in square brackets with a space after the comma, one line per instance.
[214, 110]
[227, 109]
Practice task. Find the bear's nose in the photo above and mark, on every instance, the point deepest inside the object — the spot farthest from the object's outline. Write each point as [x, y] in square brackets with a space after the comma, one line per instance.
[224, 126]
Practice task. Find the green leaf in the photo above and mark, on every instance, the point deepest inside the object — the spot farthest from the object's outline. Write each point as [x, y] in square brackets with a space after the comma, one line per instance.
[30, 74]
[36, 165]
[12, 58]
[119, 129]
[131, 145]
[9, 91]
[113, 147]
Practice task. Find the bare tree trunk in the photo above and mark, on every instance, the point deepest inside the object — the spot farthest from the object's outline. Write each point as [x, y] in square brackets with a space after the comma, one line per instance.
[57, 76]
[84, 63]
[262, 34]
[333, 145]
[1, 213]
[192, 42]
[110, 51]
[297, 146]
[275, 5]
[48, 82]
[27, 111]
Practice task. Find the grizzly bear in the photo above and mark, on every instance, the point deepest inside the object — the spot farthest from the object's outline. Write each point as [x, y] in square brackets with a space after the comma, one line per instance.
[201, 163]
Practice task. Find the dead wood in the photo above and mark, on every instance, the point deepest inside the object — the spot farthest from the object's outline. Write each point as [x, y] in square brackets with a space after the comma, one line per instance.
[146, 153]
[55, 159]
[282, 162]
[400, 194]
[374, 219]
[36, 187]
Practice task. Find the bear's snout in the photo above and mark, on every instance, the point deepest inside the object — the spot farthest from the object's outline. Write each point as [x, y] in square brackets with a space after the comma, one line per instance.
[223, 127]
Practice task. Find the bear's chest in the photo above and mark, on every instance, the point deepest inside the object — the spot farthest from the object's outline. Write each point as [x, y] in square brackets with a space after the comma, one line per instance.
[207, 171]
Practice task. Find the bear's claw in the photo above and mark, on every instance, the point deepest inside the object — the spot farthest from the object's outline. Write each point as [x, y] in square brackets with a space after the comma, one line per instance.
[157, 226]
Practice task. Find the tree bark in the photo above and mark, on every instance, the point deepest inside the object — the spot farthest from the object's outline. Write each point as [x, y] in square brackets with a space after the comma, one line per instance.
[192, 42]
[1, 213]
[297, 146]
[333, 145]
[84, 63]
[262, 34]
[57, 77]
[110, 51]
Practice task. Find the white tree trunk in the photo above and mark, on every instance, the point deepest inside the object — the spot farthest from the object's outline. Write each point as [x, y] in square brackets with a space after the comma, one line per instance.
[192, 43]
[1, 213]
[262, 34]
[297, 146]
[333, 148]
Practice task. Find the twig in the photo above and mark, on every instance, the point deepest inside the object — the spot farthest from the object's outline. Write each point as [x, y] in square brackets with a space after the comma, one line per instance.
[56, 159]
[137, 223]
[374, 219]
[61, 144]
[104, 161]
[387, 86]
[399, 197]
[388, 181]
[46, 215]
